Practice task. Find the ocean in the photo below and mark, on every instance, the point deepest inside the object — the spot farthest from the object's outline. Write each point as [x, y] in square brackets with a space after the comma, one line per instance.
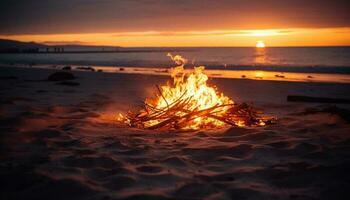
[332, 60]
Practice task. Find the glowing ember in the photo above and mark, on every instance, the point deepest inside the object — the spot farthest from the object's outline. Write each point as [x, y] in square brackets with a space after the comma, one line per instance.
[190, 104]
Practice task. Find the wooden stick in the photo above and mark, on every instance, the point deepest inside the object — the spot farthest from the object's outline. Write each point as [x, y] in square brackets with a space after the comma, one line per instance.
[160, 91]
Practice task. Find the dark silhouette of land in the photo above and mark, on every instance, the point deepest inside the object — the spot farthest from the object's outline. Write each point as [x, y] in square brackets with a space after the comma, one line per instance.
[13, 46]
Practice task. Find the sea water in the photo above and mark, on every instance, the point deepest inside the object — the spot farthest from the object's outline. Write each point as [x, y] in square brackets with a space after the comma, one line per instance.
[332, 60]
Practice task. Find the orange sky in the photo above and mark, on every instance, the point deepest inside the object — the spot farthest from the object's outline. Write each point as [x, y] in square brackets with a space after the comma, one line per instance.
[271, 37]
[132, 23]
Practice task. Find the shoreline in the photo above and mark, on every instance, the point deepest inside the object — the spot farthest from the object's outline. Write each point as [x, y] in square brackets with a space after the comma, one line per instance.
[212, 73]
[277, 90]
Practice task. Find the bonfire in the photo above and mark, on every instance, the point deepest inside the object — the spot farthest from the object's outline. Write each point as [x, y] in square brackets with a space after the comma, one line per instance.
[189, 103]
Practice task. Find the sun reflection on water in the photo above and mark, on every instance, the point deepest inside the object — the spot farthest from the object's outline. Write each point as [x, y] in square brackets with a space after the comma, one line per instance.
[260, 56]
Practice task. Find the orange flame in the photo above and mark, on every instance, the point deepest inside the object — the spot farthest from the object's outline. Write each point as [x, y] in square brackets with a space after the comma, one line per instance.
[191, 86]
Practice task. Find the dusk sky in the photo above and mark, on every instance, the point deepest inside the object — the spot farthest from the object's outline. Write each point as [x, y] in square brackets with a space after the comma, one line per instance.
[177, 22]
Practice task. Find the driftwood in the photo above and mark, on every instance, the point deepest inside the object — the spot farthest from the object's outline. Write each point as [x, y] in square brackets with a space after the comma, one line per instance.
[179, 115]
[298, 98]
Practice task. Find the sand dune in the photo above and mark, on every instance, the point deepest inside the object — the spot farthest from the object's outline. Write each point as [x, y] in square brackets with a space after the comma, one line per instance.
[60, 142]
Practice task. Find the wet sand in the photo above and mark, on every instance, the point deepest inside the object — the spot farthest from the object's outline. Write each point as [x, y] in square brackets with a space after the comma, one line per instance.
[60, 141]
[225, 73]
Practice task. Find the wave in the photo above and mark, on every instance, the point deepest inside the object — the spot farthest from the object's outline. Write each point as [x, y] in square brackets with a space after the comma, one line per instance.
[162, 64]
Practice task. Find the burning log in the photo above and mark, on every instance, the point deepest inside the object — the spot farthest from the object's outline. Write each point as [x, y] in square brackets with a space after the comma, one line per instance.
[190, 104]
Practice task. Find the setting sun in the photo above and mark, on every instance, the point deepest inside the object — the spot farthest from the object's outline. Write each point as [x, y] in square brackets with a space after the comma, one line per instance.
[260, 44]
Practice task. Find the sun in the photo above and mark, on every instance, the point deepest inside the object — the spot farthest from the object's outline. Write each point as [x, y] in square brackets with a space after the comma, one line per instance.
[260, 44]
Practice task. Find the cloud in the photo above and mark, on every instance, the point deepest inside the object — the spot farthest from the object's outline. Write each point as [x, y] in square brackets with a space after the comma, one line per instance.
[101, 16]
[74, 42]
[204, 33]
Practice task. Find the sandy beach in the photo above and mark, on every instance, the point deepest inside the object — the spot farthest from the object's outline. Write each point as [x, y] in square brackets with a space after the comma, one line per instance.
[59, 140]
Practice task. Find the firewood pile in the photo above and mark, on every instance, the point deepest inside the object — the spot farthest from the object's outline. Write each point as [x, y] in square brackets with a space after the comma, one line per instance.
[180, 115]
